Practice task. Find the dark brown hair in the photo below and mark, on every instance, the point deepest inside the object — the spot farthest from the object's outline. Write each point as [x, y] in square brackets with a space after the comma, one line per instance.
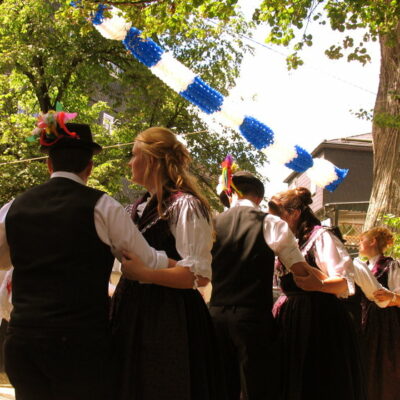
[297, 199]
[70, 159]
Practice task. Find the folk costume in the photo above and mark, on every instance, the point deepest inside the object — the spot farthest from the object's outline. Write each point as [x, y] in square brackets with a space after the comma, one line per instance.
[247, 240]
[164, 342]
[61, 238]
[381, 332]
[319, 347]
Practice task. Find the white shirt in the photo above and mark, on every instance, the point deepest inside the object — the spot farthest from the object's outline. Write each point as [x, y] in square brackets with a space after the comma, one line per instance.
[113, 226]
[393, 275]
[277, 235]
[367, 281]
[333, 259]
[193, 235]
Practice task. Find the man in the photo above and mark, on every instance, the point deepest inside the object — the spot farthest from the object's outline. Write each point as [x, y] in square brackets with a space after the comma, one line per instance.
[247, 241]
[61, 237]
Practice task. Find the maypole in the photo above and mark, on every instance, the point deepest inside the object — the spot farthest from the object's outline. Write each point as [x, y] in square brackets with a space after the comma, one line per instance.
[191, 87]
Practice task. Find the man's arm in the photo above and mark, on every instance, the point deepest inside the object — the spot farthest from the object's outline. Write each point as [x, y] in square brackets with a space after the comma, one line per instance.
[115, 228]
[281, 240]
[175, 277]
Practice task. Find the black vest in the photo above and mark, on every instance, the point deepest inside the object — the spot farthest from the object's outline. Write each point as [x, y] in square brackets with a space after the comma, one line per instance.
[243, 264]
[61, 267]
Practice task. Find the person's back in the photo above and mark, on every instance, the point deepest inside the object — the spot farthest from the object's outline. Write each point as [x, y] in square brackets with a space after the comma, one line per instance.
[241, 298]
[242, 262]
[61, 238]
[61, 265]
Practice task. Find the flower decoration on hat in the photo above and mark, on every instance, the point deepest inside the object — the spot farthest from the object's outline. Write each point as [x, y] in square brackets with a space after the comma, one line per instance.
[225, 184]
[50, 127]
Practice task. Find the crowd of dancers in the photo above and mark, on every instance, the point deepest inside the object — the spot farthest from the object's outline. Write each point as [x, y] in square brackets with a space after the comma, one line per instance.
[157, 338]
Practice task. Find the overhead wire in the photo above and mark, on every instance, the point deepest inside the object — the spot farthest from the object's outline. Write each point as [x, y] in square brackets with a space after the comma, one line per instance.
[104, 148]
[229, 32]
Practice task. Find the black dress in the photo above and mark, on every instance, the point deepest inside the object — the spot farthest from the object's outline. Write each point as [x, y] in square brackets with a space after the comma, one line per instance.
[381, 334]
[164, 342]
[320, 352]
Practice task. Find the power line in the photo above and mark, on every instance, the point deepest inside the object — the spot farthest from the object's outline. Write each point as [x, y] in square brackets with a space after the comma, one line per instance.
[104, 148]
[229, 32]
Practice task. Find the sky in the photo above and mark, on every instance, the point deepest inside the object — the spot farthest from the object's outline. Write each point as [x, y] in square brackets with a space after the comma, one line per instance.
[310, 104]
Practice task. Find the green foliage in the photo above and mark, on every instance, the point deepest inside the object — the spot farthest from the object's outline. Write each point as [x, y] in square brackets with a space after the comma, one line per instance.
[363, 114]
[393, 223]
[290, 19]
[50, 54]
[387, 120]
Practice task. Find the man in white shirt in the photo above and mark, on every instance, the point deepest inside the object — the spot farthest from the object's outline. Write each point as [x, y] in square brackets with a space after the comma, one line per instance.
[61, 238]
[247, 241]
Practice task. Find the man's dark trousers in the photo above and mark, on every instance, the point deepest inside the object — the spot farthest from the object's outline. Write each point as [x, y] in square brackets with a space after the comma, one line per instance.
[241, 304]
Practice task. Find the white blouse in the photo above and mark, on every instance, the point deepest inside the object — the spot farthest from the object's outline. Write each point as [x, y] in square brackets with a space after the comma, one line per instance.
[333, 259]
[193, 235]
[367, 281]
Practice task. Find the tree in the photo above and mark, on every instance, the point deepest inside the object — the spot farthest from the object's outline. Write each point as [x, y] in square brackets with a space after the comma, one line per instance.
[51, 56]
[379, 20]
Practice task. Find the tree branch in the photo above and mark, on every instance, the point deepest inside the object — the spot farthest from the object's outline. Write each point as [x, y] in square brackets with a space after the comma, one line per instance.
[130, 3]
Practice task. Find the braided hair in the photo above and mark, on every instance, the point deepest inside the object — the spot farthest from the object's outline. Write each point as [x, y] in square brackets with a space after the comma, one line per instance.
[168, 162]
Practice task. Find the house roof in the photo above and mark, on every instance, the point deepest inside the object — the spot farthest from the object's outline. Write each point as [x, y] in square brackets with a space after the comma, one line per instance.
[362, 142]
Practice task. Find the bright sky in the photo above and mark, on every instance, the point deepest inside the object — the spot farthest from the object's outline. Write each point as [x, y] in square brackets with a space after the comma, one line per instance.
[310, 104]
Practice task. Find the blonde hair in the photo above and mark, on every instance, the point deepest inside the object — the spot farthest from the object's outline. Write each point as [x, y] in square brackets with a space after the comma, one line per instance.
[167, 162]
[383, 236]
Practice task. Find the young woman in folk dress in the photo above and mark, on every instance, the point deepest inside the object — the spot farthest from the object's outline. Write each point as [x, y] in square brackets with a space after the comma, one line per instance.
[320, 354]
[381, 326]
[164, 343]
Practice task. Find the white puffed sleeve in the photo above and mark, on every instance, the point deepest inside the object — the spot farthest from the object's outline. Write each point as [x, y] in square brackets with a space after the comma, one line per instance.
[333, 259]
[367, 281]
[193, 234]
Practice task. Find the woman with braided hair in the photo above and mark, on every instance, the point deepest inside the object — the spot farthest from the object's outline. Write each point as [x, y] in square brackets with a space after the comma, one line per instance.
[320, 355]
[381, 324]
[163, 335]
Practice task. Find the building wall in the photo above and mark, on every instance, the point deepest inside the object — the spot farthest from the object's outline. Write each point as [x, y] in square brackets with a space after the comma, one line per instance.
[358, 183]
[356, 186]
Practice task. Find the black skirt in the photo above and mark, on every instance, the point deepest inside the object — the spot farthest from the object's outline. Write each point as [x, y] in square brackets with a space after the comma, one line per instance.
[320, 352]
[164, 345]
[381, 336]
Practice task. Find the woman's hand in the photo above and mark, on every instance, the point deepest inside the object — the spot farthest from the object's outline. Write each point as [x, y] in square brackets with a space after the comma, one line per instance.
[132, 267]
[307, 277]
[382, 295]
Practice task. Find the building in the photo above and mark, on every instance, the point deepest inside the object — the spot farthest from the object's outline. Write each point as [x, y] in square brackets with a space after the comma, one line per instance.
[347, 206]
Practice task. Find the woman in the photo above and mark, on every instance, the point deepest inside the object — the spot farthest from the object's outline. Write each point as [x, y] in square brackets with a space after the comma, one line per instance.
[163, 335]
[320, 351]
[381, 326]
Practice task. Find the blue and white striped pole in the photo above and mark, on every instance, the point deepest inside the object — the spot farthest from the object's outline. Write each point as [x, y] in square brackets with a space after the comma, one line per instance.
[190, 86]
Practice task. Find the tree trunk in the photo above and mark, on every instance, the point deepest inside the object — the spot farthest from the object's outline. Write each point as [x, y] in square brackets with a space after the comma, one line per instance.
[385, 195]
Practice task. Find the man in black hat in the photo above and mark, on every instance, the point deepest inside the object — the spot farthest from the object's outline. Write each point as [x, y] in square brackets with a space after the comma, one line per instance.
[61, 237]
[247, 241]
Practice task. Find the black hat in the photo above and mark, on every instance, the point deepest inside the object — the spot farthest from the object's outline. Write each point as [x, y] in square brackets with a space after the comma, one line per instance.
[246, 182]
[75, 136]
